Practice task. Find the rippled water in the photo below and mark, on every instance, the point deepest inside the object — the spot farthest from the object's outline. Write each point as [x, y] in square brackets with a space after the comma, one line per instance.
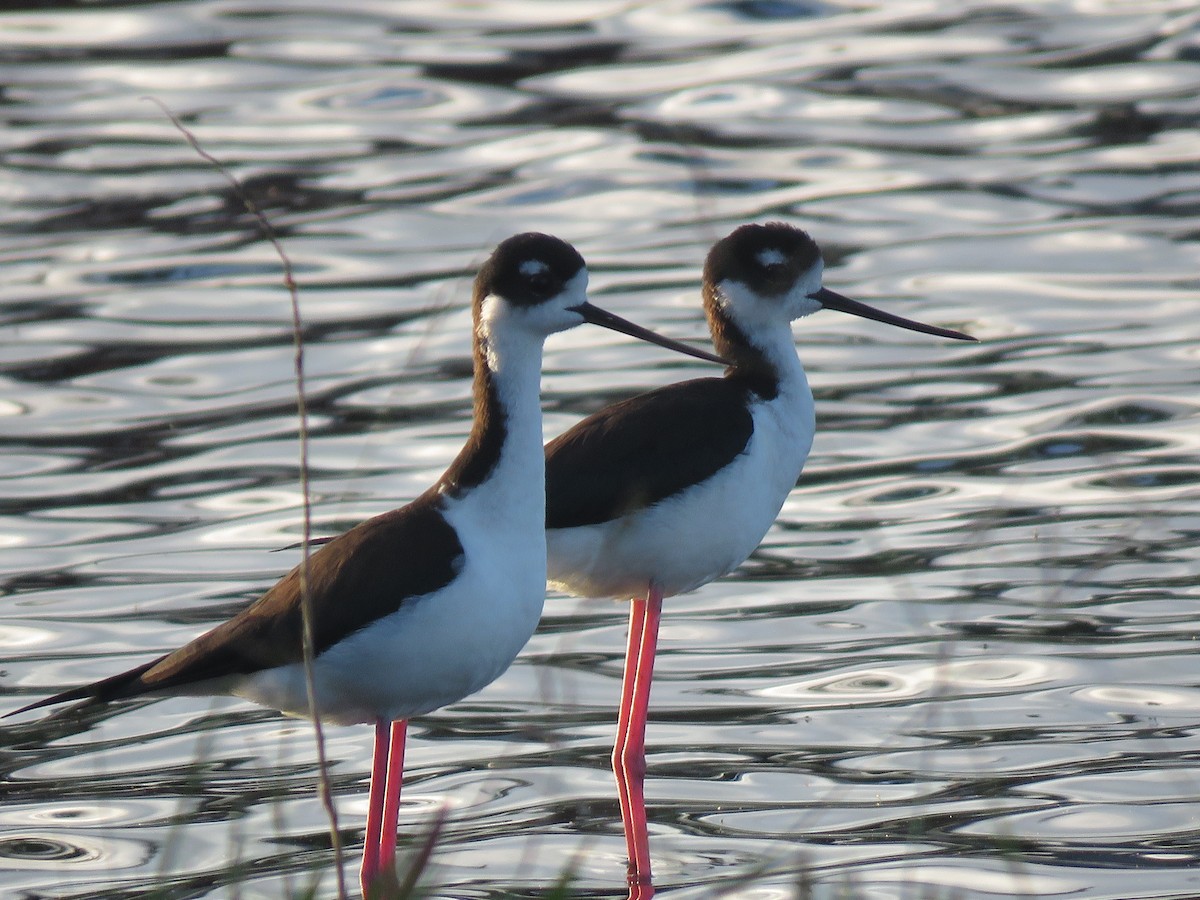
[962, 664]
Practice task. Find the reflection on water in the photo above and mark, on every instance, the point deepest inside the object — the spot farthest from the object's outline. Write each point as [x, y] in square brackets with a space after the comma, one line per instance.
[961, 664]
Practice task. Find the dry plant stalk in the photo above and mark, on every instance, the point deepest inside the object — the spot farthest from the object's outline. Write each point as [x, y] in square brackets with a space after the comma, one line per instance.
[323, 781]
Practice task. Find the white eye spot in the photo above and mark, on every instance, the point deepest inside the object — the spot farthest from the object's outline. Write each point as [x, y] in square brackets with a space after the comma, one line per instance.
[532, 267]
[770, 257]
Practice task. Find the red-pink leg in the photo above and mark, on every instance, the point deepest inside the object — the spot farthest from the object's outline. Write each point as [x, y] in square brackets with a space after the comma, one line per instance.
[637, 619]
[379, 780]
[391, 809]
[629, 752]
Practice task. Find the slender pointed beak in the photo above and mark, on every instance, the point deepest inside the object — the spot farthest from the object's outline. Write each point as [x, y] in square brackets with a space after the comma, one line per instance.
[597, 316]
[833, 300]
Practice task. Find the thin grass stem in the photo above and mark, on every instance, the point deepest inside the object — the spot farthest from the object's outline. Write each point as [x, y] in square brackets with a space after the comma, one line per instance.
[323, 781]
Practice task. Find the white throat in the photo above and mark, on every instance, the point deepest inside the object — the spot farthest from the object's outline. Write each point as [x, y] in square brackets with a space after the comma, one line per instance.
[766, 323]
[515, 490]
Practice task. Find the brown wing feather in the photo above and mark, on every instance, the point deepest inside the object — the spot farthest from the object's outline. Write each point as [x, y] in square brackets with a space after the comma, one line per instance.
[355, 579]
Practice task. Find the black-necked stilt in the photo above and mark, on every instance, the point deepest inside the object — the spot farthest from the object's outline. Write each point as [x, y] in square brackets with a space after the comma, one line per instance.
[670, 489]
[426, 604]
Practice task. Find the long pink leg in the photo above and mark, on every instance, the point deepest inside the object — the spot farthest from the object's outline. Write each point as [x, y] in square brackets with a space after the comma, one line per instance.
[379, 780]
[629, 751]
[391, 810]
[637, 619]
[383, 807]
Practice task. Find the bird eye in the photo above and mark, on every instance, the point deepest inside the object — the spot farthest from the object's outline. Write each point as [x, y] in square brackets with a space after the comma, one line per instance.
[537, 275]
[771, 258]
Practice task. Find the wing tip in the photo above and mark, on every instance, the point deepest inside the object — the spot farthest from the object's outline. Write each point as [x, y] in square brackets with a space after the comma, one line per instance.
[115, 687]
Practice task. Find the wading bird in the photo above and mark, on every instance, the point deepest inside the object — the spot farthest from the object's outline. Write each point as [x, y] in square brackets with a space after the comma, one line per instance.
[664, 492]
[421, 606]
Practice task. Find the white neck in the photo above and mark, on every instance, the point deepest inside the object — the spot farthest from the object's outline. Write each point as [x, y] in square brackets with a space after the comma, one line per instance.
[764, 328]
[778, 348]
[513, 494]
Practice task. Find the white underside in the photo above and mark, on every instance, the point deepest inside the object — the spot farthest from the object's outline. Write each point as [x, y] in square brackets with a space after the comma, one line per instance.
[440, 647]
[703, 532]
[435, 650]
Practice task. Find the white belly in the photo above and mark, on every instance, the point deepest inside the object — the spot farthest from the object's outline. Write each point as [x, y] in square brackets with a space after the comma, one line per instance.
[435, 650]
[702, 533]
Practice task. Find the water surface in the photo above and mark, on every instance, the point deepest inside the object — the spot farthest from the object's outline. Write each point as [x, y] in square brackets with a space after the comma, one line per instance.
[963, 662]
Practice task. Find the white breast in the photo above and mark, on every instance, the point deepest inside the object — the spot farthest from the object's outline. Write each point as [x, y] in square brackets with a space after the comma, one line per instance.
[701, 533]
[437, 648]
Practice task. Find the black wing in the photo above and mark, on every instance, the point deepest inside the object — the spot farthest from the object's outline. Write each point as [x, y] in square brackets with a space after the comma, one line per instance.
[633, 454]
[358, 577]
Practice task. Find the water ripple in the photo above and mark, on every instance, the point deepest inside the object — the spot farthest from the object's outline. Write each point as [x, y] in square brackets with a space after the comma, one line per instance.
[962, 661]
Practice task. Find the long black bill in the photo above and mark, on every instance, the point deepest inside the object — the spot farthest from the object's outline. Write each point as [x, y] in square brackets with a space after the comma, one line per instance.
[833, 300]
[597, 316]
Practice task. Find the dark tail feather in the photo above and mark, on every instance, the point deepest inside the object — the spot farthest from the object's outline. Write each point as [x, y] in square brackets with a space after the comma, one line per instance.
[116, 687]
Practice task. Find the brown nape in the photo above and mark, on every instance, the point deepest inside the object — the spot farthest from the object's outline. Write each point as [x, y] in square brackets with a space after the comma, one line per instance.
[481, 452]
[730, 342]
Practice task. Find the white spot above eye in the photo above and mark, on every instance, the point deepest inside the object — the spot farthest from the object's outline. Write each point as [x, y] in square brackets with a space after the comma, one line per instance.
[533, 267]
[771, 257]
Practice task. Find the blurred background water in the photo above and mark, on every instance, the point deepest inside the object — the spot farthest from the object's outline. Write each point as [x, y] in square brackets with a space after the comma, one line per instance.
[962, 664]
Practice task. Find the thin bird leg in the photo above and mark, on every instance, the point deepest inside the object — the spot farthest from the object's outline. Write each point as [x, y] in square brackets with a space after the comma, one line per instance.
[629, 754]
[620, 754]
[391, 809]
[379, 780]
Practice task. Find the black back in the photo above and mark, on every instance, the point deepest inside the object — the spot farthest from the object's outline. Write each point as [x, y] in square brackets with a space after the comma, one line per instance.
[640, 451]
